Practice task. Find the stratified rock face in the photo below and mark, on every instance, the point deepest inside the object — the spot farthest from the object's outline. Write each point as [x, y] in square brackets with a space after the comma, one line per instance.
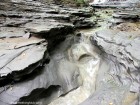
[42, 58]
[127, 15]
[29, 32]
[48, 28]
[115, 3]
[53, 79]
[51, 22]
[20, 56]
[123, 46]
[119, 68]
[40, 82]
[11, 32]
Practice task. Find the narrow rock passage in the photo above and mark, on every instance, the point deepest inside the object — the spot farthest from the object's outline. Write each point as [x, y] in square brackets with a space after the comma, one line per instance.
[105, 80]
[33, 70]
[116, 84]
[86, 58]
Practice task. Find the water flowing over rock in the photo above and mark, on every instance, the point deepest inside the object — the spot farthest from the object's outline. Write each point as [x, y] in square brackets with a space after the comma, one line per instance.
[122, 67]
[32, 69]
[56, 55]
[118, 80]
[81, 53]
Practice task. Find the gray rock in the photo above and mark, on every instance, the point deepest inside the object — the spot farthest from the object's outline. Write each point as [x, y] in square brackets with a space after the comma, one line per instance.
[115, 4]
[34, 15]
[86, 12]
[20, 56]
[127, 15]
[121, 54]
[28, 30]
[15, 22]
[54, 79]
[121, 45]
[49, 28]
[11, 32]
[118, 77]
[83, 23]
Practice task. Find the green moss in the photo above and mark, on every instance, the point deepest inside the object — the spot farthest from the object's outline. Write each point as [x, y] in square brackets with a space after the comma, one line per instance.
[75, 2]
[82, 2]
[130, 37]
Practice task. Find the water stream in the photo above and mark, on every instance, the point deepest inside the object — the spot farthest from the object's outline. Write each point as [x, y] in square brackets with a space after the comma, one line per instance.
[87, 59]
[94, 71]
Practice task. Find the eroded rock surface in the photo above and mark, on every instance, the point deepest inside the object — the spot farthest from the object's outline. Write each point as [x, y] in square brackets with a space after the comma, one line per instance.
[121, 66]
[32, 68]
[118, 44]
[118, 76]
[49, 56]
[47, 83]
[20, 56]
[115, 3]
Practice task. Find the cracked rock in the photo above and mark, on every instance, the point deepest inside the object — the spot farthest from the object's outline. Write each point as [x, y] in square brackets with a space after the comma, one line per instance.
[20, 56]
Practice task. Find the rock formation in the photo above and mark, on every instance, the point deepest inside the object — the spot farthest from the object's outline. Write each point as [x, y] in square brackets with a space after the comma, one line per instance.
[29, 33]
[118, 80]
[54, 55]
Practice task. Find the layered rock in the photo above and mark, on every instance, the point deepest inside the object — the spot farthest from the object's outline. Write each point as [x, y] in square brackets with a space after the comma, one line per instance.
[29, 32]
[115, 3]
[125, 15]
[20, 56]
[82, 55]
[47, 83]
[123, 46]
[119, 69]
[42, 59]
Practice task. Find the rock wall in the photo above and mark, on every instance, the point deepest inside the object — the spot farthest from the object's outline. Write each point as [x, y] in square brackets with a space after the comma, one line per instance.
[54, 55]
[118, 80]
[29, 33]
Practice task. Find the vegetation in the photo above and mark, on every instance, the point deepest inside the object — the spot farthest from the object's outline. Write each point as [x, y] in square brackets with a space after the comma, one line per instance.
[73, 2]
[80, 2]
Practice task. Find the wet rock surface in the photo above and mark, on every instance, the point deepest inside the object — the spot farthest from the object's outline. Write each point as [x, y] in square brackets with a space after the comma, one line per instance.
[33, 70]
[121, 65]
[54, 55]
[47, 83]
[118, 77]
